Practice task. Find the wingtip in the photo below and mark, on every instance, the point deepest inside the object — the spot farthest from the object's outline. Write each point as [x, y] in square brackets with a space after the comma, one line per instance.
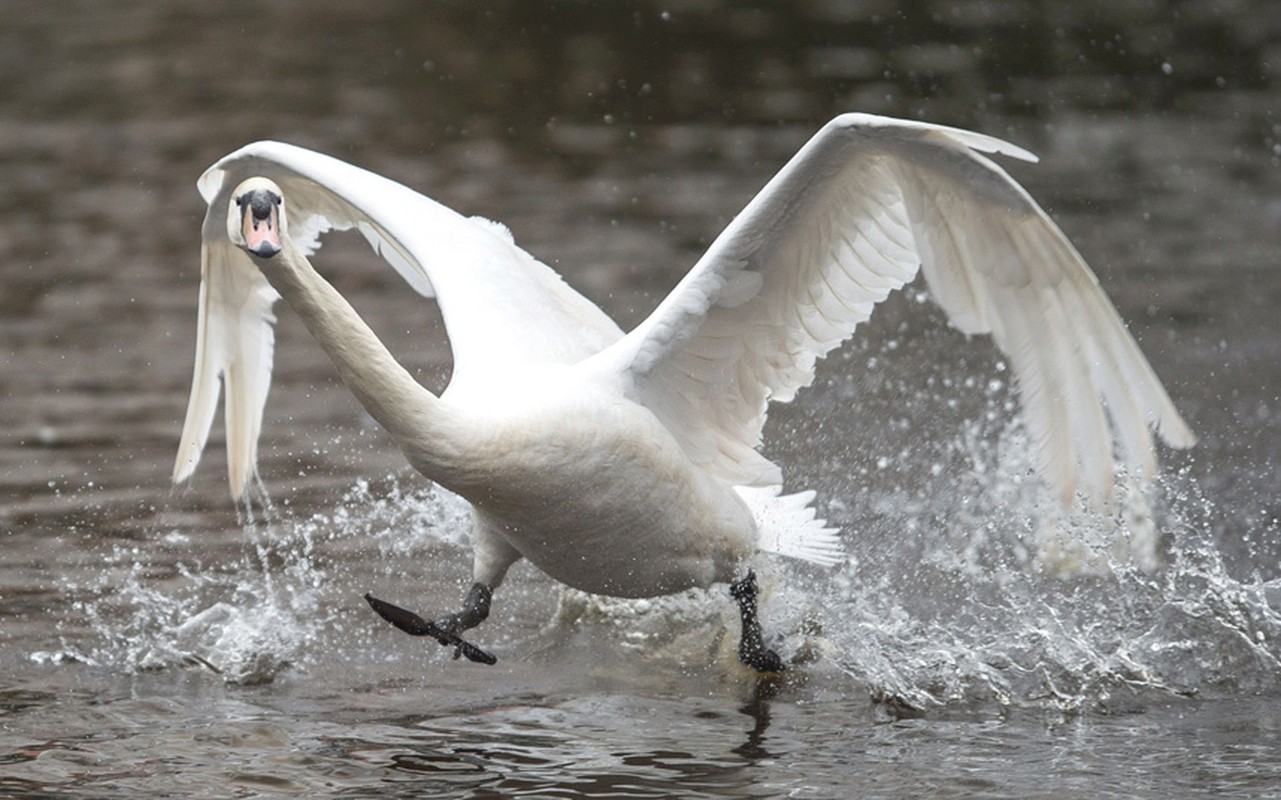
[182, 470]
[1176, 433]
[240, 474]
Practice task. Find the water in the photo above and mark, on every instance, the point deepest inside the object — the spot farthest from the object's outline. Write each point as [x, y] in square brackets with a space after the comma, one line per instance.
[152, 642]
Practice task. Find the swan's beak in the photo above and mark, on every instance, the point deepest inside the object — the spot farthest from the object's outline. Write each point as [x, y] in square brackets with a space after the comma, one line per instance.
[260, 222]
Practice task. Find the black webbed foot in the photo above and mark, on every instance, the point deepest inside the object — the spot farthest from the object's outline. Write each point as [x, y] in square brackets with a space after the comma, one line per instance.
[751, 647]
[447, 629]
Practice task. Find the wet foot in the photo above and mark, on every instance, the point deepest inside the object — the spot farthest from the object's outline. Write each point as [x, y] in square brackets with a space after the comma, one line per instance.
[446, 631]
[751, 647]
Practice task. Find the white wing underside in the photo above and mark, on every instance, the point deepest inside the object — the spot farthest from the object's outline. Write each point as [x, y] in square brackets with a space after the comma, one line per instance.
[499, 304]
[855, 214]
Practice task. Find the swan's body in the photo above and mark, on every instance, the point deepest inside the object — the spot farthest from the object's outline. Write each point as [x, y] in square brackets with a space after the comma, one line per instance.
[628, 464]
[558, 475]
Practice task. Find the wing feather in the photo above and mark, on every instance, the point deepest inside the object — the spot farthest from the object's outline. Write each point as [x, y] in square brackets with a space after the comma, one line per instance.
[470, 265]
[234, 343]
[863, 207]
[500, 305]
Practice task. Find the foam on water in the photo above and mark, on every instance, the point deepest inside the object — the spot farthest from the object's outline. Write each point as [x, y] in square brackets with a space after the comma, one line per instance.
[994, 594]
[246, 620]
[263, 611]
[983, 593]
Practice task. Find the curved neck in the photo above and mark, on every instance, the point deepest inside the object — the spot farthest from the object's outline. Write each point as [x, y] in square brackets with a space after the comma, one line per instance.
[418, 420]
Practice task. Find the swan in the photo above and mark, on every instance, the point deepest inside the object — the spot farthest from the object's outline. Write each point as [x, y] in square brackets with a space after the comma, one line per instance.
[628, 464]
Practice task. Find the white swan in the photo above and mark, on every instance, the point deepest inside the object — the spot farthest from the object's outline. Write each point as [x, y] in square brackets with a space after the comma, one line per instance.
[628, 464]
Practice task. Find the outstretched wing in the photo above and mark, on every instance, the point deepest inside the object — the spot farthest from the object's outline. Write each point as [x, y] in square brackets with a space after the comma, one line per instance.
[500, 305]
[865, 204]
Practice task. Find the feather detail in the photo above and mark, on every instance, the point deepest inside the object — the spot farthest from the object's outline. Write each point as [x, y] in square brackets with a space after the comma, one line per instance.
[865, 205]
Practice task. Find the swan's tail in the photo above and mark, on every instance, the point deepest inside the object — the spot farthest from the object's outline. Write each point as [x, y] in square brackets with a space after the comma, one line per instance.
[789, 525]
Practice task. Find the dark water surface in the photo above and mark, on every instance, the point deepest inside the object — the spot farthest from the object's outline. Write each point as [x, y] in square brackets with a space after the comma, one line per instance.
[151, 644]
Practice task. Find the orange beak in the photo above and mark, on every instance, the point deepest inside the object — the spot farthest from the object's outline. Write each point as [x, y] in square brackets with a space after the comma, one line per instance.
[260, 224]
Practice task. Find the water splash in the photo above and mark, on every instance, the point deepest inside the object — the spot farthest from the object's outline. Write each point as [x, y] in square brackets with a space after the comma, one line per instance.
[966, 587]
[991, 594]
[236, 619]
[261, 611]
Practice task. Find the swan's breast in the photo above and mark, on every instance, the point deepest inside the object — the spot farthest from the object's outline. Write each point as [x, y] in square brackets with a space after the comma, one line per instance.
[595, 491]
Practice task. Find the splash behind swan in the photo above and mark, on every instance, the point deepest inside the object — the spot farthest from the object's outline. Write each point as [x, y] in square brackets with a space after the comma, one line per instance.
[629, 464]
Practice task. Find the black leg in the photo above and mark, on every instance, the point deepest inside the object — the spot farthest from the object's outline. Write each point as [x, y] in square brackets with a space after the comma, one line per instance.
[751, 647]
[448, 629]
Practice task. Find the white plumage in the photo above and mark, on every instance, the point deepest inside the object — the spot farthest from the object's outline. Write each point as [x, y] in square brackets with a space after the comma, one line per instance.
[630, 464]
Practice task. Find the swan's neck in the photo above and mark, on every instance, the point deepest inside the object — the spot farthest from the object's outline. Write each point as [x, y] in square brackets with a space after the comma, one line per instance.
[419, 421]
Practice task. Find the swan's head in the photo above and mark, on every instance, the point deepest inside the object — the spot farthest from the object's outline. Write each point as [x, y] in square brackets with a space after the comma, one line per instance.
[256, 217]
